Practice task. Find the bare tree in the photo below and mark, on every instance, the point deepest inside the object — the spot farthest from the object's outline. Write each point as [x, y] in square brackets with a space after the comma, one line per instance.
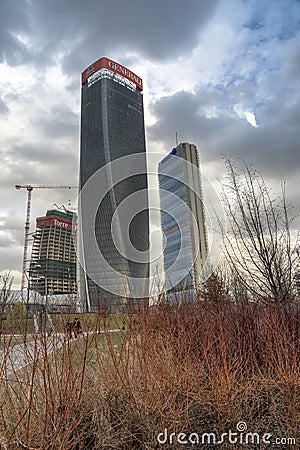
[258, 243]
[233, 288]
[5, 295]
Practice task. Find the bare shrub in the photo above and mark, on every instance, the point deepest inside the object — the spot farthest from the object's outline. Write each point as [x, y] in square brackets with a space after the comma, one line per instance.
[196, 367]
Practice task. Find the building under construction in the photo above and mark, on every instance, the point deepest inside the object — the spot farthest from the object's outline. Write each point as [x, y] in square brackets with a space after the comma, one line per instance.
[53, 260]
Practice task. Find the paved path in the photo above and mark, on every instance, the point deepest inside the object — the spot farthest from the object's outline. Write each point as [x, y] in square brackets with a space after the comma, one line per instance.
[19, 356]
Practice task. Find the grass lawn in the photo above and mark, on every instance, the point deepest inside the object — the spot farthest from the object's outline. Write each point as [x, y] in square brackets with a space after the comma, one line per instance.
[12, 340]
[89, 321]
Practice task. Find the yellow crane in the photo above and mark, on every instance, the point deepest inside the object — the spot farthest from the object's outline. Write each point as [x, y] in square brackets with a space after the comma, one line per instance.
[29, 188]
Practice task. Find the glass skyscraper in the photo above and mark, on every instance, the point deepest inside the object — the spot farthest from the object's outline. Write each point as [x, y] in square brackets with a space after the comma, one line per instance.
[112, 127]
[182, 218]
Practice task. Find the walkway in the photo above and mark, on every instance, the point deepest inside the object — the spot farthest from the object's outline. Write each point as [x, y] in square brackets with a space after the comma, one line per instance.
[16, 357]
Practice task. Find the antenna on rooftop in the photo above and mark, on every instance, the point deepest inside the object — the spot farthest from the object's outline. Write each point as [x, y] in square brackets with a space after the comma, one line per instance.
[176, 139]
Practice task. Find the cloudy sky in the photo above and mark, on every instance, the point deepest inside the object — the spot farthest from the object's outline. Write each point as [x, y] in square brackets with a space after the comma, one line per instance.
[223, 74]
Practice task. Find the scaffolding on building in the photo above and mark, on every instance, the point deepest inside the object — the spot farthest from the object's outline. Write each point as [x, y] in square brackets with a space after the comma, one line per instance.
[54, 254]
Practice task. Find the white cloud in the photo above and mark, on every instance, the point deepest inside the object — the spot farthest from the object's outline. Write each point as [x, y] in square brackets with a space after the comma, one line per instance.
[223, 74]
[250, 117]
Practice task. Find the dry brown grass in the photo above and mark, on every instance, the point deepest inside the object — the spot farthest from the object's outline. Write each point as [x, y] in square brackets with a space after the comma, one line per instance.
[200, 367]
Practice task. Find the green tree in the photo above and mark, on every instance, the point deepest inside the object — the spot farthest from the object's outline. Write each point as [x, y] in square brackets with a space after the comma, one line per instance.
[214, 289]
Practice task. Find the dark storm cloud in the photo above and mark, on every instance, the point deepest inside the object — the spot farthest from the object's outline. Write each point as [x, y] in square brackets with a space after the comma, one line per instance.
[6, 241]
[273, 146]
[14, 20]
[184, 113]
[83, 31]
[11, 230]
[10, 222]
[39, 163]
[292, 61]
[10, 258]
[156, 30]
[25, 153]
[60, 122]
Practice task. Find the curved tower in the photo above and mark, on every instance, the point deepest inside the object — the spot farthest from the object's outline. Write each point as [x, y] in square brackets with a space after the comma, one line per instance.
[112, 126]
[185, 230]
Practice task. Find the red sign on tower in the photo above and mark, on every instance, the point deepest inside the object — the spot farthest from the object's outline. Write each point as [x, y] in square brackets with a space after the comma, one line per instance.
[54, 220]
[105, 63]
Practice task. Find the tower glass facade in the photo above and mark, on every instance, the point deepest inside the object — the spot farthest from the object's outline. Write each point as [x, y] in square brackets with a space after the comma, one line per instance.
[112, 126]
[182, 218]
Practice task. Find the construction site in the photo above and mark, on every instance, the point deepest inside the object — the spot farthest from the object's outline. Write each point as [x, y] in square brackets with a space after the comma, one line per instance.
[49, 274]
[53, 259]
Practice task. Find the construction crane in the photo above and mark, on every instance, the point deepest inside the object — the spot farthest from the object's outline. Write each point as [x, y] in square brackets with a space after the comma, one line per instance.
[29, 188]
